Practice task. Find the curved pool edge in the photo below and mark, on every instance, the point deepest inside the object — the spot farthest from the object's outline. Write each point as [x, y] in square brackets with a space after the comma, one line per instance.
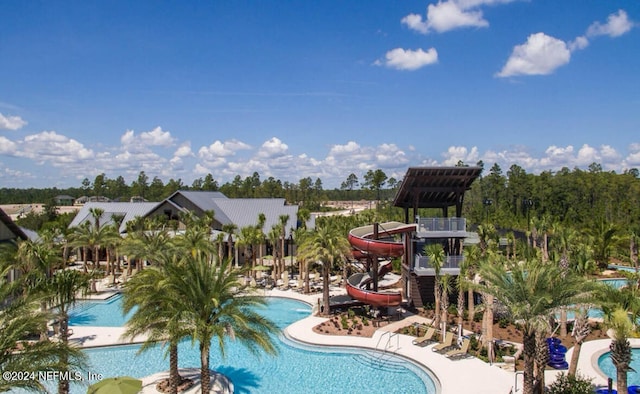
[588, 361]
[600, 348]
[478, 377]
[289, 340]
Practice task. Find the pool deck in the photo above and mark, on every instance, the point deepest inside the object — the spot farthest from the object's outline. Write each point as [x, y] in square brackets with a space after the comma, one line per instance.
[468, 375]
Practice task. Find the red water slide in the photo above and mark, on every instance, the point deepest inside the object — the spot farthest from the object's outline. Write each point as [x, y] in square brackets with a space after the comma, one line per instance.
[364, 242]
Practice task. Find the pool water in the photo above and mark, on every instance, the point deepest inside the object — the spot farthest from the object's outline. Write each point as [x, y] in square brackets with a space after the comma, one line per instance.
[596, 313]
[294, 370]
[106, 313]
[633, 375]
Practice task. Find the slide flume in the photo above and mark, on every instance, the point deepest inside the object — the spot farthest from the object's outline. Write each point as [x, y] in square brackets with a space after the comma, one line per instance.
[361, 239]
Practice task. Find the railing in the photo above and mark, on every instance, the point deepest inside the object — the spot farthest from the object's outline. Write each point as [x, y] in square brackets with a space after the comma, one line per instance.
[421, 263]
[390, 335]
[441, 224]
[515, 388]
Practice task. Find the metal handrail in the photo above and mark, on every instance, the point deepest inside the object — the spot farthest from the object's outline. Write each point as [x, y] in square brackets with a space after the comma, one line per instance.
[516, 380]
[391, 335]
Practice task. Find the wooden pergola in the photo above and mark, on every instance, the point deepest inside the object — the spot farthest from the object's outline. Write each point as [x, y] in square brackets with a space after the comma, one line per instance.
[435, 187]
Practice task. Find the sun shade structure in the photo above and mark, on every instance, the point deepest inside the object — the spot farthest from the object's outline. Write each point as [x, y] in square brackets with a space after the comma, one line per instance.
[435, 187]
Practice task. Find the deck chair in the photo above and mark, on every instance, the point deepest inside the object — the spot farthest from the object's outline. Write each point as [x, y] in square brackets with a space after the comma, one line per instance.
[426, 339]
[460, 352]
[448, 342]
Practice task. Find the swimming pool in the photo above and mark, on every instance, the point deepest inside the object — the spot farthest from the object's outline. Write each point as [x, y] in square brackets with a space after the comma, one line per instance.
[99, 313]
[633, 375]
[295, 370]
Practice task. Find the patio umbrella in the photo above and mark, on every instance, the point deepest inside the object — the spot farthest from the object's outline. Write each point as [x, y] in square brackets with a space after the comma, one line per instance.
[261, 268]
[117, 385]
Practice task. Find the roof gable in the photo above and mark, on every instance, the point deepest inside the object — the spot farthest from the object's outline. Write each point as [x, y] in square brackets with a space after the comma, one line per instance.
[8, 229]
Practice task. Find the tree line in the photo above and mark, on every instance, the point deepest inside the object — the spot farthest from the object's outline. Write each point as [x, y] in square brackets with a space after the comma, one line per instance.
[511, 199]
[307, 191]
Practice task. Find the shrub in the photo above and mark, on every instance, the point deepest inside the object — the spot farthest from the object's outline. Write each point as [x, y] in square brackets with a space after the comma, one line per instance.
[345, 322]
[565, 384]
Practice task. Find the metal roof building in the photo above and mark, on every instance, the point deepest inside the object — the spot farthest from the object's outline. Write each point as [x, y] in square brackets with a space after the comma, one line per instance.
[241, 212]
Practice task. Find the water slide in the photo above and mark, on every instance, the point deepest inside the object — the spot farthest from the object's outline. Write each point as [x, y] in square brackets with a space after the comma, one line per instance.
[365, 243]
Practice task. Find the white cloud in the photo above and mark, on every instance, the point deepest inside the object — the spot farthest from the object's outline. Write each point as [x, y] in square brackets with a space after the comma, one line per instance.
[11, 122]
[454, 154]
[540, 55]
[157, 137]
[272, 148]
[449, 15]
[128, 138]
[415, 22]
[476, 3]
[53, 148]
[581, 42]
[608, 153]
[222, 149]
[343, 150]
[633, 158]
[617, 25]
[7, 147]
[183, 150]
[390, 156]
[587, 155]
[408, 59]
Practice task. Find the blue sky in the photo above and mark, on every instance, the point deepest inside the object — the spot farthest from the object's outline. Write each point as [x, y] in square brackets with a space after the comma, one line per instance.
[295, 89]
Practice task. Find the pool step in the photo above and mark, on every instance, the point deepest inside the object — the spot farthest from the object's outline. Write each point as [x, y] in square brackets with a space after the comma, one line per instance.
[381, 361]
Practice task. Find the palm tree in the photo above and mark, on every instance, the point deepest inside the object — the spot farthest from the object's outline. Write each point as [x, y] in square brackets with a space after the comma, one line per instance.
[36, 262]
[488, 252]
[147, 245]
[96, 243]
[620, 347]
[621, 307]
[472, 257]
[445, 287]
[299, 235]
[64, 288]
[563, 238]
[20, 317]
[531, 291]
[208, 297]
[603, 237]
[436, 257]
[325, 244]
[230, 229]
[250, 236]
[196, 240]
[156, 315]
[80, 237]
[581, 330]
[282, 226]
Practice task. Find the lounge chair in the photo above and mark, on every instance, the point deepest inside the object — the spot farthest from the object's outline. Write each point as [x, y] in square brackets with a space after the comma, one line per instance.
[444, 346]
[426, 339]
[460, 352]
